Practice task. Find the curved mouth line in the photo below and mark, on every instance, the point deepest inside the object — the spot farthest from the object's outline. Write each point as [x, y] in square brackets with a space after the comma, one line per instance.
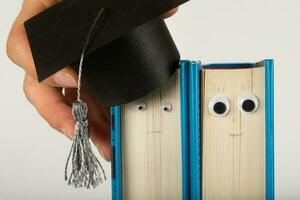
[149, 132]
[236, 135]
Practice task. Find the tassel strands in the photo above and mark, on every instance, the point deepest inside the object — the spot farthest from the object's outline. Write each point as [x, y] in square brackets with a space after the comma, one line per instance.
[86, 171]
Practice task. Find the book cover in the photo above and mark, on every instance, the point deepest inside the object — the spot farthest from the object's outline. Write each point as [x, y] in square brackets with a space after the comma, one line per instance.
[151, 145]
[234, 153]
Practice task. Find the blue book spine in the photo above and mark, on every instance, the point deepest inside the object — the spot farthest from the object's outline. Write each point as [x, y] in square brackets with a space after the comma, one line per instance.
[116, 165]
[269, 85]
[193, 117]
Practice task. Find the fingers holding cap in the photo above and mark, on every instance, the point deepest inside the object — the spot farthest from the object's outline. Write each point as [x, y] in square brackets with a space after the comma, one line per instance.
[51, 105]
[170, 13]
[18, 48]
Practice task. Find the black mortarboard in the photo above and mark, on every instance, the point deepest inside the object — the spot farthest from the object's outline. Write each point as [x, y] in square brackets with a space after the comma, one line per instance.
[131, 52]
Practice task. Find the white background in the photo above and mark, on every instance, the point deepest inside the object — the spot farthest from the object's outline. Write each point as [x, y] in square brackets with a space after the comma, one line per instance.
[32, 156]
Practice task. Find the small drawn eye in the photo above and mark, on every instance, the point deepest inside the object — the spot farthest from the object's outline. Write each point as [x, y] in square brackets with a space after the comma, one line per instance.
[167, 107]
[219, 106]
[141, 106]
[248, 103]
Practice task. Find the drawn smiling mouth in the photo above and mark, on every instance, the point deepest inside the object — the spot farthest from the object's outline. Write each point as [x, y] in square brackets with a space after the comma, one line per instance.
[236, 134]
[149, 132]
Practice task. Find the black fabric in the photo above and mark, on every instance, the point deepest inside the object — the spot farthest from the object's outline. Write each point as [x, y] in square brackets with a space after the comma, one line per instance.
[131, 54]
[133, 65]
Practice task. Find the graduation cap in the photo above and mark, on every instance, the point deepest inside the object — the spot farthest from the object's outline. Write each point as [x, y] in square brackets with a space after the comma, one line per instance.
[130, 54]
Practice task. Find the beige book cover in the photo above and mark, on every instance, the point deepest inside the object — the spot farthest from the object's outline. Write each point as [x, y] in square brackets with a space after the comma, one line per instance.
[233, 134]
[151, 145]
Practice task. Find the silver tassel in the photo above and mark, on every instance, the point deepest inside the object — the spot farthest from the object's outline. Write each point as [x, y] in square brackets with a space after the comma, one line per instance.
[87, 171]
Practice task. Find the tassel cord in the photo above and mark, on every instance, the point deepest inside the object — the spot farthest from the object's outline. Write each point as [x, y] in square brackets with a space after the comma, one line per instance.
[86, 170]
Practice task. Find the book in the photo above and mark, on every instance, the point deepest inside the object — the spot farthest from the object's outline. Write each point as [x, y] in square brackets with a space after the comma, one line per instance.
[233, 157]
[206, 134]
[150, 143]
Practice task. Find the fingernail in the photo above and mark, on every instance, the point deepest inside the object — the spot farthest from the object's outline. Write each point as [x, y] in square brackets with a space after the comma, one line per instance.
[63, 79]
[67, 134]
[101, 153]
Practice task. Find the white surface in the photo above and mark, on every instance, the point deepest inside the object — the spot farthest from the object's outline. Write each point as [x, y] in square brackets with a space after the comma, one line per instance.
[32, 156]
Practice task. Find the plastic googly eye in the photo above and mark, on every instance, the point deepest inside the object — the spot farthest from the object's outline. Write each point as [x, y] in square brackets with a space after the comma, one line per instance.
[141, 106]
[219, 106]
[248, 103]
[167, 107]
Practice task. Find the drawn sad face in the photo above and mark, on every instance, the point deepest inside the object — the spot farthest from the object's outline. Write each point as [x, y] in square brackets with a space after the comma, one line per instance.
[233, 133]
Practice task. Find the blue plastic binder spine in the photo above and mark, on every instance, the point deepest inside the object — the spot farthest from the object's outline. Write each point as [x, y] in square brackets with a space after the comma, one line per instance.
[184, 73]
[195, 129]
[269, 115]
[116, 169]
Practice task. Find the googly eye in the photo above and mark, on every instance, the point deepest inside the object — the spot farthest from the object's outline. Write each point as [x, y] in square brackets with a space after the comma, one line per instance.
[248, 103]
[167, 107]
[141, 106]
[219, 106]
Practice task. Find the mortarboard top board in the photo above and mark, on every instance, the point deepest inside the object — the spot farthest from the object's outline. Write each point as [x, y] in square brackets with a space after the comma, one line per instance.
[131, 52]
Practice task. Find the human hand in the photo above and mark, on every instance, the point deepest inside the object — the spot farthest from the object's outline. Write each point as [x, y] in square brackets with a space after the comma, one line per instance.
[48, 97]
